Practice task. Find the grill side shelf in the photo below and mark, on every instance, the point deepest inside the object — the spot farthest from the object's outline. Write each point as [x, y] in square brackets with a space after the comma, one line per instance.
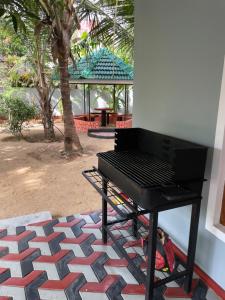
[124, 207]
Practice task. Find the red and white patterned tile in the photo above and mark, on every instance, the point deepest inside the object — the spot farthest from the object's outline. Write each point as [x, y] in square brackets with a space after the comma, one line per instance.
[66, 259]
[20, 264]
[64, 289]
[23, 288]
[17, 243]
[56, 265]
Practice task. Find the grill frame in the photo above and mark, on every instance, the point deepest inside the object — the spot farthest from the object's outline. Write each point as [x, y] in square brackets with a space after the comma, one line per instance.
[134, 212]
[187, 161]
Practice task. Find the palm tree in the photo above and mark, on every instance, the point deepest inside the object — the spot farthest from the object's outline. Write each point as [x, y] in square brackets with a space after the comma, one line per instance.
[61, 19]
[35, 37]
[112, 21]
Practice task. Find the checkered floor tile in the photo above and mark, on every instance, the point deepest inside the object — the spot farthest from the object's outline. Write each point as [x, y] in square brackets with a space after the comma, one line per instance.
[66, 259]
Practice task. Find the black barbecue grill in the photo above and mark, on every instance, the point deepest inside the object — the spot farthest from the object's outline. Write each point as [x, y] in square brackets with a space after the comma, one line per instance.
[157, 173]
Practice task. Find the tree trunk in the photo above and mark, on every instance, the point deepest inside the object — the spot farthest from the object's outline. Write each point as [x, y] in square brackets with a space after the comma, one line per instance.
[63, 24]
[70, 134]
[48, 122]
[46, 112]
[48, 128]
[43, 88]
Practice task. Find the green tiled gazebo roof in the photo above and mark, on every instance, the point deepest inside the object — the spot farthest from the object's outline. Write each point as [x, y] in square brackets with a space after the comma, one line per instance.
[101, 66]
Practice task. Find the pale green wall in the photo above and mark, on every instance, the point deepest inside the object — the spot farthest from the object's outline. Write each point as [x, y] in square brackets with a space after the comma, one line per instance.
[179, 53]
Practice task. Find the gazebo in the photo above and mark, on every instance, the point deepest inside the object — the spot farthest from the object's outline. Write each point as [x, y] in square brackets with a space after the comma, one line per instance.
[101, 67]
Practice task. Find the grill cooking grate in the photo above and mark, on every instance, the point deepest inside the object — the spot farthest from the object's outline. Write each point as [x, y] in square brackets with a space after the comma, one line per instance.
[146, 170]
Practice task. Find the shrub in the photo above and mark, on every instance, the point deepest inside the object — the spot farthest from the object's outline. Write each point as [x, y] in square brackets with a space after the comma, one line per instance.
[17, 112]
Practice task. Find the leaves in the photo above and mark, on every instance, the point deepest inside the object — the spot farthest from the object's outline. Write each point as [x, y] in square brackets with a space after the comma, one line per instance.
[18, 111]
[112, 22]
[84, 35]
[45, 7]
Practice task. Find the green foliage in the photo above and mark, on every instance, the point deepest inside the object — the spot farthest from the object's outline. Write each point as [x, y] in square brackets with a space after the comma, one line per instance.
[113, 22]
[10, 42]
[25, 79]
[14, 69]
[84, 45]
[17, 111]
[11, 60]
[21, 73]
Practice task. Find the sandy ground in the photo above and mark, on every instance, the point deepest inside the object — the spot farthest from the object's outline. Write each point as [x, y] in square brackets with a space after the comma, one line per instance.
[34, 177]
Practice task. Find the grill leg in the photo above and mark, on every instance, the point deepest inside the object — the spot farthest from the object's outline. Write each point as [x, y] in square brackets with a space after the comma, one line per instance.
[152, 240]
[104, 212]
[134, 223]
[192, 244]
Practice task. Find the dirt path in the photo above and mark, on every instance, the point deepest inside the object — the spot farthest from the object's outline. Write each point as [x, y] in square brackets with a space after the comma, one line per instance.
[34, 178]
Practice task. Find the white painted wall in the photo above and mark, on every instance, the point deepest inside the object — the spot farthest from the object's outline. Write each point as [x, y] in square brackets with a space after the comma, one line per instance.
[179, 54]
[77, 96]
